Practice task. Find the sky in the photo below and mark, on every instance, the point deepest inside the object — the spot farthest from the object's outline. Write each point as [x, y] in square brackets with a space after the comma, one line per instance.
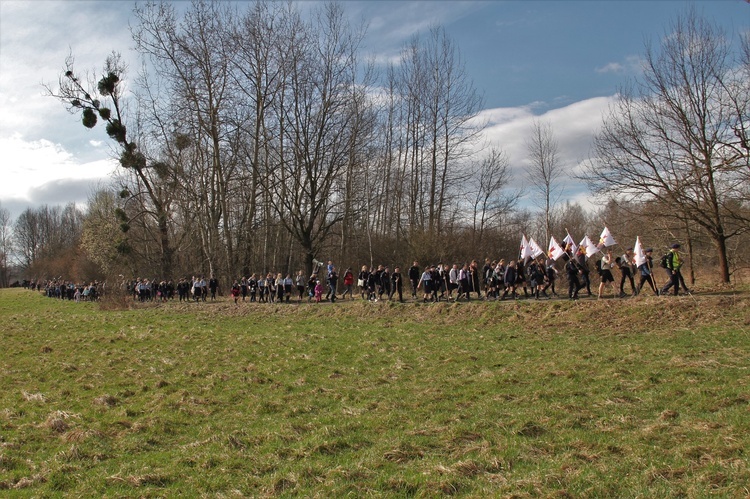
[561, 62]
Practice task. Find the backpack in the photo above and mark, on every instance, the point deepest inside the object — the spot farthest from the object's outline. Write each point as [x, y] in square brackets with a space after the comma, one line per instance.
[663, 263]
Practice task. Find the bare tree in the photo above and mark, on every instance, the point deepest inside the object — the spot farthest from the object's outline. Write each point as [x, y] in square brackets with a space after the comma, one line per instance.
[6, 246]
[318, 122]
[384, 186]
[28, 238]
[666, 139]
[191, 56]
[545, 170]
[260, 37]
[45, 233]
[361, 148]
[737, 87]
[488, 202]
[572, 217]
[438, 124]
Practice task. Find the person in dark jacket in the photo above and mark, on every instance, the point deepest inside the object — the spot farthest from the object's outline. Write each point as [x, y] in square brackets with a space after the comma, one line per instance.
[626, 273]
[537, 274]
[646, 269]
[362, 278]
[476, 278]
[213, 285]
[510, 278]
[551, 276]
[583, 264]
[396, 285]
[414, 276]
[464, 282]
[385, 284]
[333, 280]
[574, 285]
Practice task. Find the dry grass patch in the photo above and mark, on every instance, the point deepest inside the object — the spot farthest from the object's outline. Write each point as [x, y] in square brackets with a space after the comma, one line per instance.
[147, 479]
[24, 482]
[59, 421]
[79, 435]
[404, 453]
[33, 397]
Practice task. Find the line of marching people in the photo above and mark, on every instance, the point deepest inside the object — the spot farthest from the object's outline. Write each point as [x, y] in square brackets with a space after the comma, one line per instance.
[535, 274]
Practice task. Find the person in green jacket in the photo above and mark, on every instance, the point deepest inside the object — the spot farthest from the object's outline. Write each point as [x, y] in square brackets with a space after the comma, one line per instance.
[674, 264]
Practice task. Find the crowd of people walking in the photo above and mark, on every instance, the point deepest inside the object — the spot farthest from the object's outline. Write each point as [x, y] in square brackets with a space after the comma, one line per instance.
[67, 290]
[528, 277]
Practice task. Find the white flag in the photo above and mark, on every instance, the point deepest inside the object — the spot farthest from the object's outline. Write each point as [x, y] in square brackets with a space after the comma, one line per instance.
[555, 250]
[589, 248]
[570, 244]
[606, 238]
[640, 255]
[525, 249]
[534, 248]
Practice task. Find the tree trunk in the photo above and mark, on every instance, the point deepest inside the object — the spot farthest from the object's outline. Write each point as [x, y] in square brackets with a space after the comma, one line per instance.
[309, 257]
[721, 248]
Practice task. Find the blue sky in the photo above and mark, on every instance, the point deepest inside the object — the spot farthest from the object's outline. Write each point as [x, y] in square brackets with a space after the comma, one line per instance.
[550, 52]
[561, 61]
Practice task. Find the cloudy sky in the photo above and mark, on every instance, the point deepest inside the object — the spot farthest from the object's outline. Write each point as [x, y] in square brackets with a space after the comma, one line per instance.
[560, 61]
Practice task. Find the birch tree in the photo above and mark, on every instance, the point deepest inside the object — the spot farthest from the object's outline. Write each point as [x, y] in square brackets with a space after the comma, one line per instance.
[6, 246]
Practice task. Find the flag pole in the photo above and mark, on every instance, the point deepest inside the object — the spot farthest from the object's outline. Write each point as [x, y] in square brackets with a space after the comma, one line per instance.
[649, 262]
[619, 267]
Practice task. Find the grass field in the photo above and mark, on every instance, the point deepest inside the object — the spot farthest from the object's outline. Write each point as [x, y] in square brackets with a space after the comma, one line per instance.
[645, 397]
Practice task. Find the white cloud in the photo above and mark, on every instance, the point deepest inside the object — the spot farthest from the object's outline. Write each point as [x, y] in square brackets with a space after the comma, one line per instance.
[390, 28]
[587, 201]
[36, 38]
[31, 165]
[632, 64]
[573, 125]
[48, 157]
[574, 128]
[612, 67]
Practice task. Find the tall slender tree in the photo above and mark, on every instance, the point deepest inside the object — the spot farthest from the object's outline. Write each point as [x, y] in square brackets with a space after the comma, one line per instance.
[544, 170]
[6, 246]
[191, 56]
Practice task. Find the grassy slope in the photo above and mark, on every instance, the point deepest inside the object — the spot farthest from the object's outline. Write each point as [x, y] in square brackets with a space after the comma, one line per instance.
[640, 397]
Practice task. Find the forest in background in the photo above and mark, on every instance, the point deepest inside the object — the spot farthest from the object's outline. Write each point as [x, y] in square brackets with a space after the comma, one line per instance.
[259, 140]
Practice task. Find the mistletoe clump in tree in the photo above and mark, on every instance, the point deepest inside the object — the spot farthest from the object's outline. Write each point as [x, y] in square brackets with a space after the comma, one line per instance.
[90, 102]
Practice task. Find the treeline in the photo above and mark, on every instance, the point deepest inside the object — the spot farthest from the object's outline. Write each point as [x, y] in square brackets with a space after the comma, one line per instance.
[259, 139]
[53, 242]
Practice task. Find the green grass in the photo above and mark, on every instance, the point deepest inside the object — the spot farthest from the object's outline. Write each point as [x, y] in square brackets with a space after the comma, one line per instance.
[644, 397]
